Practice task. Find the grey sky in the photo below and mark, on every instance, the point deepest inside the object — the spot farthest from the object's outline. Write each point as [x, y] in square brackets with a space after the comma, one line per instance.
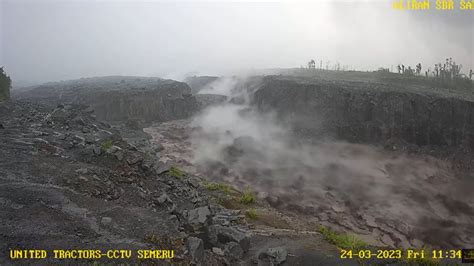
[53, 40]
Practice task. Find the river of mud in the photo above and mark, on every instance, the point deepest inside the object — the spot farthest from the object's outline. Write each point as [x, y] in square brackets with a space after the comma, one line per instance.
[386, 197]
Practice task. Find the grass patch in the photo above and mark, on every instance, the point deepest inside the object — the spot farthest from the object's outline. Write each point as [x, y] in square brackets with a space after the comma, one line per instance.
[247, 197]
[213, 186]
[231, 198]
[251, 214]
[152, 239]
[104, 146]
[147, 156]
[176, 172]
[344, 241]
[163, 242]
[426, 261]
[229, 203]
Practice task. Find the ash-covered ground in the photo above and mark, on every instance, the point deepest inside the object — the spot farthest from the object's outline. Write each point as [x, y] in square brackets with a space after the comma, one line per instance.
[145, 180]
[69, 181]
[387, 196]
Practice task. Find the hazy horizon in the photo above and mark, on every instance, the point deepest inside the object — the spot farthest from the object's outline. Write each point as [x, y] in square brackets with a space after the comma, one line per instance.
[48, 40]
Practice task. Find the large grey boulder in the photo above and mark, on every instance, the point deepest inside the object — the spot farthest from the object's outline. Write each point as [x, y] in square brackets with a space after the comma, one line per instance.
[195, 248]
[274, 256]
[233, 250]
[223, 234]
[59, 115]
[198, 219]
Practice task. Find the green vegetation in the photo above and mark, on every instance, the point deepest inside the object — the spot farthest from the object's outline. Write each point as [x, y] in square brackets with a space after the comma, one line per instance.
[352, 242]
[106, 145]
[247, 197]
[5, 85]
[147, 156]
[251, 213]
[427, 261]
[344, 241]
[152, 239]
[176, 172]
[163, 242]
[229, 197]
[228, 203]
[444, 77]
[213, 186]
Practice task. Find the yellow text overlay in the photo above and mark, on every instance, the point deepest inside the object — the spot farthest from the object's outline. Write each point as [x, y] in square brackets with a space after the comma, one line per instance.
[60, 254]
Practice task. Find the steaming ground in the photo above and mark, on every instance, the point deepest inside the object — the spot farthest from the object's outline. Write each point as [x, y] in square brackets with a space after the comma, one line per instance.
[388, 198]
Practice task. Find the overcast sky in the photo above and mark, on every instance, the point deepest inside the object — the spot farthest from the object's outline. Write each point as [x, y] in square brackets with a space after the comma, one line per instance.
[44, 40]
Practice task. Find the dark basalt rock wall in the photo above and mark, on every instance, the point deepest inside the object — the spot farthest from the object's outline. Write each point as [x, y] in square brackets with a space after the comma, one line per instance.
[4, 94]
[199, 82]
[369, 113]
[146, 105]
[121, 98]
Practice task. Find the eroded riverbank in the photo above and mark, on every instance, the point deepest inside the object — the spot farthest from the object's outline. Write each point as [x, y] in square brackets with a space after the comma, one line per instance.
[388, 198]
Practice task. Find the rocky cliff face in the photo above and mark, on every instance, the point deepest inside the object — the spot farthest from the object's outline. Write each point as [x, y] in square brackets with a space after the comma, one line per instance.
[5, 84]
[199, 82]
[370, 112]
[4, 95]
[153, 105]
[96, 191]
[121, 98]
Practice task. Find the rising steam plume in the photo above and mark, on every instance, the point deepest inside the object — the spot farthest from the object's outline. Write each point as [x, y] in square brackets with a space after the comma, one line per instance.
[388, 198]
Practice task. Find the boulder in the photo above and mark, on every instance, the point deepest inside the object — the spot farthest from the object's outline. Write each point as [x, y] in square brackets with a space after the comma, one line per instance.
[96, 150]
[106, 220]
[134, 159]
[161, 167]
[275, 256]
[134, 124]
[218, 251]
[114, 149]
[195, 248]
[223, 234]
[76, 139]
[82, 171]
[164, 198]
[198, 219]
[119, 155]
[158, 147]
[59, 115]
[233, 250]
[78, 121]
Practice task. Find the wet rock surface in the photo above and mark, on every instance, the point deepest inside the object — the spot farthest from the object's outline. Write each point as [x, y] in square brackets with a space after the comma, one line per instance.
[120, 98]
[273, 256]
[198, 83]
[68, 180]
[195, 248]
[385, 197]
[374, 113]
[63, 187]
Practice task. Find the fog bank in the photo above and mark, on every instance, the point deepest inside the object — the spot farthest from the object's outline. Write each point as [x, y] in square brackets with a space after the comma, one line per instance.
[54, 40]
